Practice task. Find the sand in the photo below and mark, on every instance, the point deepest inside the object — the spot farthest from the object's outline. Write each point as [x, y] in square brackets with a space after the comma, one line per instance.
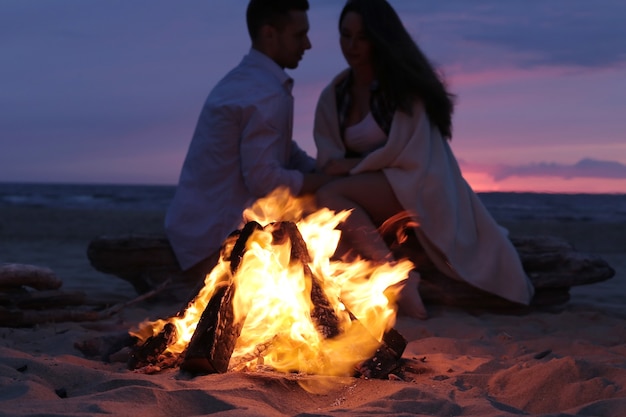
[561, 362]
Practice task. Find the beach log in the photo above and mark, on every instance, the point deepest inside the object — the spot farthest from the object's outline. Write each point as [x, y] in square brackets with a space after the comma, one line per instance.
[49, 299]
[551, 263]
[143, 260]
[29, 318]
[37, 277]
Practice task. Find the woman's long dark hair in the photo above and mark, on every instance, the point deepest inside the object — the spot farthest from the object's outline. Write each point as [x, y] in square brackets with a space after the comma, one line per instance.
[402, 70]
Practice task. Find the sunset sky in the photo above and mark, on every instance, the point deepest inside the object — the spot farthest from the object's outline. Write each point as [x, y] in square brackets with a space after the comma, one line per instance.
[109, 91]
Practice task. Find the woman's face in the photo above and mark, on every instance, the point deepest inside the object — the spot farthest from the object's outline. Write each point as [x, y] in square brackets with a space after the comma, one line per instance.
[355, 46]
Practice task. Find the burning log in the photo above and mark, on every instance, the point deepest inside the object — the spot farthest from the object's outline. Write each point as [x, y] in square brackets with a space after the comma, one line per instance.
[239, 249]
[387, 357]
[214, 339]
[323, 314]
[216, 333]
[151, 352]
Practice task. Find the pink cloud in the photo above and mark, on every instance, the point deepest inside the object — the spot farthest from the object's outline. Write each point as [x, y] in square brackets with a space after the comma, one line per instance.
[587, 175]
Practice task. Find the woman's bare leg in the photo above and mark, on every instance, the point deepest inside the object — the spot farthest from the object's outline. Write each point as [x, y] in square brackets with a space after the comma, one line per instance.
[372, 201]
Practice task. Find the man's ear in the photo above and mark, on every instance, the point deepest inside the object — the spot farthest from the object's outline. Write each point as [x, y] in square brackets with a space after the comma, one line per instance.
[267, 33]
[267, 40]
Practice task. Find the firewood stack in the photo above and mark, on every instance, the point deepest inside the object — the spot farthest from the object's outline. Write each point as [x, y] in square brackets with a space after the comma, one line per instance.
[213, 342]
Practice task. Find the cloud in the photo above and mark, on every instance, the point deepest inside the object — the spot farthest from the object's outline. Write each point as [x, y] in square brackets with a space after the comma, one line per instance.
[576, 34]
[585, 168]
[540, 33]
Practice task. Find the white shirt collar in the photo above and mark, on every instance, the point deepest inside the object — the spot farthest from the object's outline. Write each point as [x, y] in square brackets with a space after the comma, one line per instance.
[259, 58]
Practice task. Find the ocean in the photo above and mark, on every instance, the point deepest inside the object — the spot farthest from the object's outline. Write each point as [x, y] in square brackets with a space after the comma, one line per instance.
[504, 206]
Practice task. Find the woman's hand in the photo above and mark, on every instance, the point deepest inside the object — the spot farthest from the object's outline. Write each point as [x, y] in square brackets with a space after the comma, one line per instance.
[341, 166]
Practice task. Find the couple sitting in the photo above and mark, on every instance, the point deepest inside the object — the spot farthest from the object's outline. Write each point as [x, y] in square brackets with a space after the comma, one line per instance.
[382, 128]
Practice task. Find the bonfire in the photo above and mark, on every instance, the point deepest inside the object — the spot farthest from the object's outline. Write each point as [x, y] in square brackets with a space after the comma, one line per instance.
[279, 300]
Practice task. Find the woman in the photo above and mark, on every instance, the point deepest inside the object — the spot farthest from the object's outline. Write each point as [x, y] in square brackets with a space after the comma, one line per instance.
[384, 123]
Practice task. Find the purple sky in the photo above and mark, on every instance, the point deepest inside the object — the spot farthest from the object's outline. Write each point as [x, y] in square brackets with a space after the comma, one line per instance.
[109, 91]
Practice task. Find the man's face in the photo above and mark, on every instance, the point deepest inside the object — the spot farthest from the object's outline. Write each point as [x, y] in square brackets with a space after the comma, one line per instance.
[292, 40]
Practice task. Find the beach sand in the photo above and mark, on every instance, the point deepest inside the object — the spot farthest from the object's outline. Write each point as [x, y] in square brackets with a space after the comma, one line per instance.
[562, 362]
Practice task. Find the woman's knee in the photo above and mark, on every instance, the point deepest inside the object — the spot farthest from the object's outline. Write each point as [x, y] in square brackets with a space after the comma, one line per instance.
[326, 196]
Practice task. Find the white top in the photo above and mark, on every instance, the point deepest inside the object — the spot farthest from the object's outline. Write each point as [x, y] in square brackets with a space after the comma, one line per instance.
[241, 150]
[365, 136]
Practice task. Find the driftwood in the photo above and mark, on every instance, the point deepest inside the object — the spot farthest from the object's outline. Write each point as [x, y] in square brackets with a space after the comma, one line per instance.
[23, 307]
[30, 295]
[39, 278]
[552, 264]
[143, 260]
[41, 300]
[29, 318]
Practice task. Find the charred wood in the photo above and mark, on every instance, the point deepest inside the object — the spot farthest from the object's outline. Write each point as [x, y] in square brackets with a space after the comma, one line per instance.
[151, 351]
[239, 248]
[387, 357]
[323, 314]
[217, 331]
[214, 339]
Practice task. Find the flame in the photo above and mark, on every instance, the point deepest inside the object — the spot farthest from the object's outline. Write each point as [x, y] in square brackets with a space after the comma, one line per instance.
[273, 295]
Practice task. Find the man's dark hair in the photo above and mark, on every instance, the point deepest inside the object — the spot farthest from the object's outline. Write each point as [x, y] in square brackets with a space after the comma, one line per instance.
[271, 12]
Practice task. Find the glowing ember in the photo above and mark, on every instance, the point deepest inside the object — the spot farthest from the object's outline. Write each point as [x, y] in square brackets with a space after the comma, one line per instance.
[273, 296]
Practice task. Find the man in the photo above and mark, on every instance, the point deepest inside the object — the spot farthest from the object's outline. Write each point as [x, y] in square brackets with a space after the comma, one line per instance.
[242, 147]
